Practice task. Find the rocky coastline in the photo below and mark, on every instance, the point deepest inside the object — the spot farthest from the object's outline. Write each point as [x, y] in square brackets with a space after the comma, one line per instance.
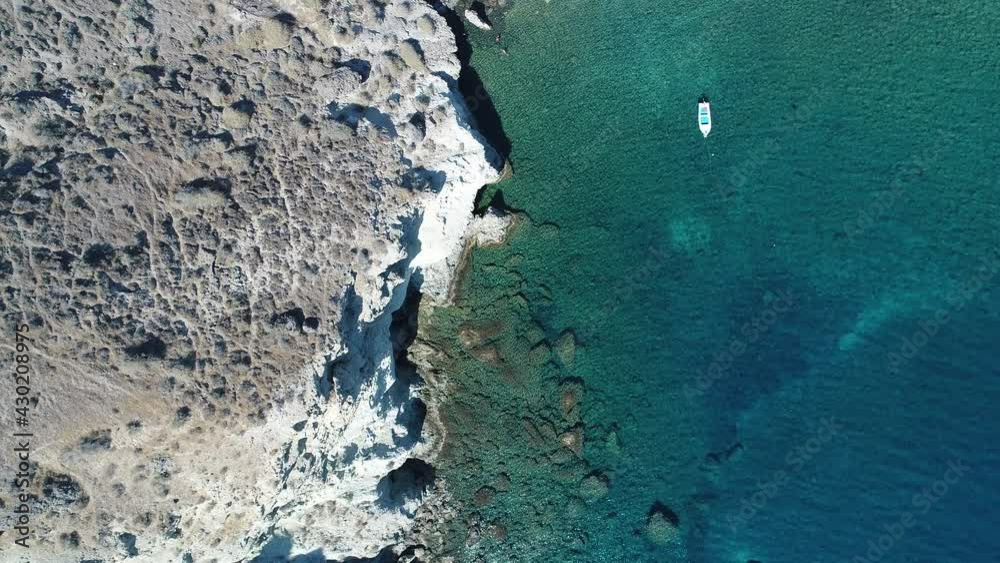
[221, 223]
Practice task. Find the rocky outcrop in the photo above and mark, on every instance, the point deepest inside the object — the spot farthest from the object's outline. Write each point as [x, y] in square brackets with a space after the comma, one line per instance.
[492, 228]
[213, 216]
[477, 20]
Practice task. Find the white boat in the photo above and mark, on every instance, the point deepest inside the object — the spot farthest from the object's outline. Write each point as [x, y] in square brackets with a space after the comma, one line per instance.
[704, 116]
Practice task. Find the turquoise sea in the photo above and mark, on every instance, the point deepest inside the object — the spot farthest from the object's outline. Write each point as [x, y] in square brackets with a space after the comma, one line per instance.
[778, 344]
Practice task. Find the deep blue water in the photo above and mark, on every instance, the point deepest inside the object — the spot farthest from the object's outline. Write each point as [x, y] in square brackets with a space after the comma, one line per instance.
[847, 197]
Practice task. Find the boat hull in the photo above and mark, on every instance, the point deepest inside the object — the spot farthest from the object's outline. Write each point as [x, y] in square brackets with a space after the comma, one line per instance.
[704, 118]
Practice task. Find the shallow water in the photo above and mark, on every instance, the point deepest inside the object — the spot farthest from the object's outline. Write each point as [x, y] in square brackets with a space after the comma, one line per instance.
[738, 304]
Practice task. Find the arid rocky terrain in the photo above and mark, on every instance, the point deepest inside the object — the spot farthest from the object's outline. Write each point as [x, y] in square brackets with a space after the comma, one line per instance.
[211, 216]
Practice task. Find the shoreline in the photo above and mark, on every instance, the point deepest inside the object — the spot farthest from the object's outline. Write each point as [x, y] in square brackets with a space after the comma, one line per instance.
[433, 249]
[239, 328]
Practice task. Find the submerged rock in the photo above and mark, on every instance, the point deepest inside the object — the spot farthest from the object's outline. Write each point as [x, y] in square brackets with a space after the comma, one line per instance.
[498, 531]
[539, 354]
[475, 335]
[565, 348]
[594, 486]
[573, 440]
[570, 394]
[662, 525]
[488, 354]
[484, 496]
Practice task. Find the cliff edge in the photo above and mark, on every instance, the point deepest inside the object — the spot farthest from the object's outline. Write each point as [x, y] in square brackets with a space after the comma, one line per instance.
[216, 219]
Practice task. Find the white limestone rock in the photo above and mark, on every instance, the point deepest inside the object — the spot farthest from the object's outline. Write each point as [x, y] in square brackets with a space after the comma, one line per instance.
[477, 21]
[492, 228]
[208, 215]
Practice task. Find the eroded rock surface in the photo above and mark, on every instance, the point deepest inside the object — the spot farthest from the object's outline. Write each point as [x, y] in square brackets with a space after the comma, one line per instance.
[209, 212]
